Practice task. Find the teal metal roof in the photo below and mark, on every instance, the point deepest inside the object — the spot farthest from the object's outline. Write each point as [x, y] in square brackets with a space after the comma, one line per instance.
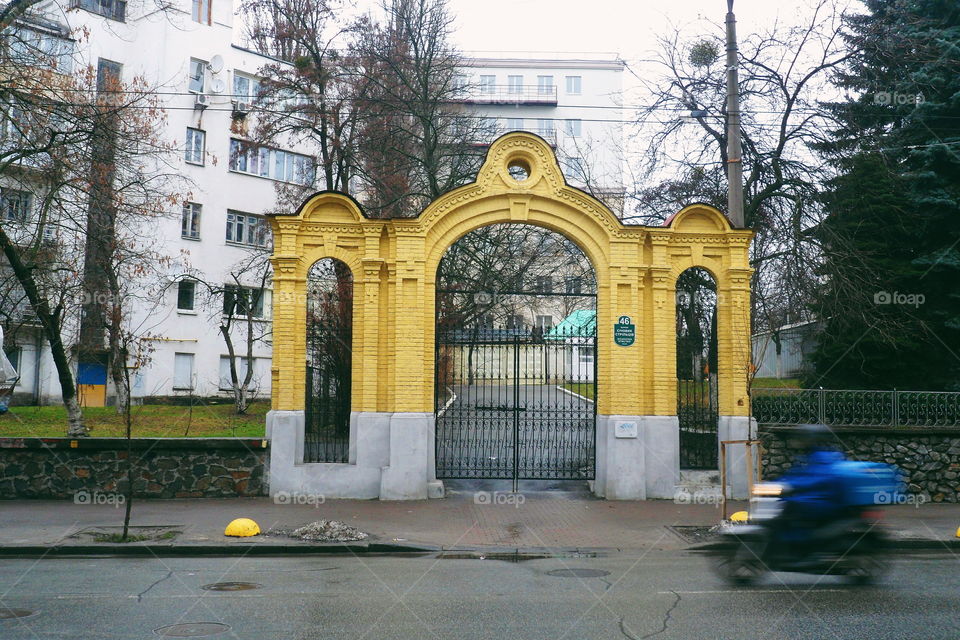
[579, 324]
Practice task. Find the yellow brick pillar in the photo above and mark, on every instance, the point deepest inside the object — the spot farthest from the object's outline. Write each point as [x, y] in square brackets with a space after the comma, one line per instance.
[288, 370]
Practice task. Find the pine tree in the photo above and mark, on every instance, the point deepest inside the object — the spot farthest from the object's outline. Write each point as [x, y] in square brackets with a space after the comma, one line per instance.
[890, 305]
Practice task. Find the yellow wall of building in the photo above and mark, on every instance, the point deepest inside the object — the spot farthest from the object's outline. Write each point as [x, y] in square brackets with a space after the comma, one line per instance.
[394, 264]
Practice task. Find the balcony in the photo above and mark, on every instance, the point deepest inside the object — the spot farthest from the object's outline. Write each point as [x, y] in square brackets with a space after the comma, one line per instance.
[526, 94]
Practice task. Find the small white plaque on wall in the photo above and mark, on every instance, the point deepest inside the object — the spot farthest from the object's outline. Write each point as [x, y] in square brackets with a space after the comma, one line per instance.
[625, 429]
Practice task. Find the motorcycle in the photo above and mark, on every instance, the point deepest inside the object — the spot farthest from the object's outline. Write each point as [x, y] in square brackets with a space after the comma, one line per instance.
[852, 545]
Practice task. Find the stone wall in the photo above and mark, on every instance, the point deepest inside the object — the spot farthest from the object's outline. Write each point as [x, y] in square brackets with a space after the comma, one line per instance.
[163, 467]
[930, 458]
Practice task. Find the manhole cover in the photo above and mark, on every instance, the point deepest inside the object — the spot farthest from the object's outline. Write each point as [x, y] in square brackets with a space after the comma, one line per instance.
[10, 614]
[231, 586]
[192, 630]
[578, 573]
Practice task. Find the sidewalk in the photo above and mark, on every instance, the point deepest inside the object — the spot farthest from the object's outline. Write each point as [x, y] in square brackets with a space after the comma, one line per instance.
[543, 521]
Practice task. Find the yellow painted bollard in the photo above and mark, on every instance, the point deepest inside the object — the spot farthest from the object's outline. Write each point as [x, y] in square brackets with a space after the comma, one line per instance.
[242, 528]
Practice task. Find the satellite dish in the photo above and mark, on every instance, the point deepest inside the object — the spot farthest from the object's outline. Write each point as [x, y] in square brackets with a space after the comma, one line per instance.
[216, 63]
[217, 85]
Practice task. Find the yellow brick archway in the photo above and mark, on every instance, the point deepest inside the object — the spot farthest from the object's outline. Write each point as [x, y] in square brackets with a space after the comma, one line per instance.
[394, 264]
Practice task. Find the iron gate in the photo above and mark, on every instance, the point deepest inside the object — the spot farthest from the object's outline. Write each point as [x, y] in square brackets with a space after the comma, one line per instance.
[697, 414]
[516, 403]
[327, 410]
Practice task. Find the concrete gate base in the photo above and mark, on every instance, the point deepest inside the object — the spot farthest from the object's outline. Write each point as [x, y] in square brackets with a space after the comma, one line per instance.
[391, 457]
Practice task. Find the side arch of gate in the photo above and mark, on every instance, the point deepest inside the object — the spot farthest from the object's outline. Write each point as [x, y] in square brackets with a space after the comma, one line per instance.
[394, 263]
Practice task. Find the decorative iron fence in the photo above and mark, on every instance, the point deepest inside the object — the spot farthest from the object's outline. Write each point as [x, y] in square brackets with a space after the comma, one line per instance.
[327, 417]
[856, 408]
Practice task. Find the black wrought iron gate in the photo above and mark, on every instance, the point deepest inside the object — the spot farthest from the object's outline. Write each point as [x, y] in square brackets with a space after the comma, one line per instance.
[515, 403]
[698, 415]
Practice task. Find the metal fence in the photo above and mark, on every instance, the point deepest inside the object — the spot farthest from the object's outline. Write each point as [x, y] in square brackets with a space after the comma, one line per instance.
[856, 408]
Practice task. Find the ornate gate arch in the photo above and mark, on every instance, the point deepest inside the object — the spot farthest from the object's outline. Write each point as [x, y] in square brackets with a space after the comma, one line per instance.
[394, 264]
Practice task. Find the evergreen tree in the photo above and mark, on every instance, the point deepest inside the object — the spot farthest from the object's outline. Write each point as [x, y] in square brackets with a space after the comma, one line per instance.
[891, 299]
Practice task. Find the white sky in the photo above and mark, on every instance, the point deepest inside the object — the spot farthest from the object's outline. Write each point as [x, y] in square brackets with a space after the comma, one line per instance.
[625, 27]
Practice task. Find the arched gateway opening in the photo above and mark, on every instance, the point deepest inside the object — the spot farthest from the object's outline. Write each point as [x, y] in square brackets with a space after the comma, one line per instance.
[406, 347]
[516, 357]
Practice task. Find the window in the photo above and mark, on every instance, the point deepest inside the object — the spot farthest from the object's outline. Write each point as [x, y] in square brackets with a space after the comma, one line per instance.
[13, 355]
[271, 163]
[515, 321]
[544, 322]
[242, 364]
[514, 124]
[242, 301]
[515, 84]
[245, 88]
[183, 371]
[15, 205]
[459, 83]
[190, 221]
[573, 85]
[108, 75]
[34, 48]
[15, 124]
[195, 143]
[113, 9]
[544, 284]
[186, 295]
[573, 128]
[575, 169]
[573, 285]
[545, 85]
[545, 127]
[586, 355]
[491, 125]
[243, 228]
[197, 81]
[201, 11]
[488, 84]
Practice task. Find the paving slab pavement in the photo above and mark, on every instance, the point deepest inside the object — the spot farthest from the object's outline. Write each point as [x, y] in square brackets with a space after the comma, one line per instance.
[529, 522]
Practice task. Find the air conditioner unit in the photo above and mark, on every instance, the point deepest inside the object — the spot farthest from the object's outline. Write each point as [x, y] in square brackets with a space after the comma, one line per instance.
[201, 102]
[241, 109]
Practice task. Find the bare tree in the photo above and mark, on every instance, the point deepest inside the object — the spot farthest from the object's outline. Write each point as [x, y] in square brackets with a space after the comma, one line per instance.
[417, 139]
[784, 74]
[81, 157]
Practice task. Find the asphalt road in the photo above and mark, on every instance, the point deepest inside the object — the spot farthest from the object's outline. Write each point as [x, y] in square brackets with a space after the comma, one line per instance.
[476, 432]
[658, 595]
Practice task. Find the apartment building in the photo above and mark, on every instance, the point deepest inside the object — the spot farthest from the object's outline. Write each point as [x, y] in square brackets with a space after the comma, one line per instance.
[570, 100]
[208, 82]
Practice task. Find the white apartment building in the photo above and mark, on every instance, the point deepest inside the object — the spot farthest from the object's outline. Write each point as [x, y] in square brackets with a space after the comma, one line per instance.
[572, 101]
[190, 53]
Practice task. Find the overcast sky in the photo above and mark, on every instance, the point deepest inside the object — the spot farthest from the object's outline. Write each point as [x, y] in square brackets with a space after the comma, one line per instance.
[625, 27]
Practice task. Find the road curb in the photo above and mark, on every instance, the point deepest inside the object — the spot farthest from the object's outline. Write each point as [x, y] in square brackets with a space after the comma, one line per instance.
[905, 544]
[234, 549]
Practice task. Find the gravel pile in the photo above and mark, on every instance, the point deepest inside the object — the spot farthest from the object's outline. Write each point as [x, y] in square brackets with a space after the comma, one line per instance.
[328, 531]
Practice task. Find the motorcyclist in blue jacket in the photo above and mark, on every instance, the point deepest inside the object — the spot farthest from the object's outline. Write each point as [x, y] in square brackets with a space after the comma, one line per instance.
[814, 486]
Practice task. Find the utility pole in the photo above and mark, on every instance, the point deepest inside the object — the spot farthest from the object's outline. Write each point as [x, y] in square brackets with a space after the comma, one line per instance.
[734, 150]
